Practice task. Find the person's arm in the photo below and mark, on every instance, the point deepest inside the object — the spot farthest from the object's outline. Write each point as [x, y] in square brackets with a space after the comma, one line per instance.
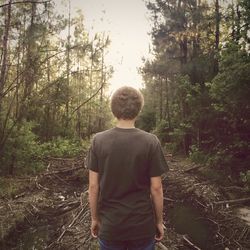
[93, 200]
[157, 198]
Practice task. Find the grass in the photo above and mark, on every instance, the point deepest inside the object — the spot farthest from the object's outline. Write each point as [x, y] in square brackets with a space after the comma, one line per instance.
[10, 186]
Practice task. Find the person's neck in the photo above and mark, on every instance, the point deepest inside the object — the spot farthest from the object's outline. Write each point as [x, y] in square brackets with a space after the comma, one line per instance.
[125, 123]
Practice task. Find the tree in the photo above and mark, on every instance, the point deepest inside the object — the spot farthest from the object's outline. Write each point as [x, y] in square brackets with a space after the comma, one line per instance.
[48, 90]
[201, 50]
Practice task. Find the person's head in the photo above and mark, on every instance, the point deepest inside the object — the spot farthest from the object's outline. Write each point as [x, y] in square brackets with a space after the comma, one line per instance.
[126, 103]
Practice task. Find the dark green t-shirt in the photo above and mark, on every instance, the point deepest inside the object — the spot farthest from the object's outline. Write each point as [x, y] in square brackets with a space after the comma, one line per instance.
[125, 160]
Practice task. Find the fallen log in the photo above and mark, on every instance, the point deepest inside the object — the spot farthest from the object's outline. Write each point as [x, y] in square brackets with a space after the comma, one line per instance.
[232, 201]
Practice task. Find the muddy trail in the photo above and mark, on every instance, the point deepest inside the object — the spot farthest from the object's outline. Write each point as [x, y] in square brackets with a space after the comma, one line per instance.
[52, 211]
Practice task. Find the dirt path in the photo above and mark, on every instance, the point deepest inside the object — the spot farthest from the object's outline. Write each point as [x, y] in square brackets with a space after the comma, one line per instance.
[53, 213]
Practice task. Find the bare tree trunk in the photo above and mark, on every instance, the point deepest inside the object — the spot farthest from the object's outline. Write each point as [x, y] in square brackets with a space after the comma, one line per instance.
[161, 99]
[238, 20]
[167, 104]
[100, 121]
[3, 71]
[49, 129]
[217, 35]
[5, 52]
[68, 66]
[30, 68]
[90, 87]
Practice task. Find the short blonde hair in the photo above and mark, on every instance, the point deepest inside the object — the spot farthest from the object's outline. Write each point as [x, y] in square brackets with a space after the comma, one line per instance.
[126, 103]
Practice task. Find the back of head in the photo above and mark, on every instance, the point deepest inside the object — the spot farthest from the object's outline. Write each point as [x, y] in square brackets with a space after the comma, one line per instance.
[126, 103]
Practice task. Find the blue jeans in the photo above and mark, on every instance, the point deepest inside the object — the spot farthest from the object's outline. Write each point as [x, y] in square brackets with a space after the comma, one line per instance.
[144, 244]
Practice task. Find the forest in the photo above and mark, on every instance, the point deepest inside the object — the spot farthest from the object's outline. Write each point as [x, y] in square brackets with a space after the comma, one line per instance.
[54, 96]
[197, 86]
[53, 84]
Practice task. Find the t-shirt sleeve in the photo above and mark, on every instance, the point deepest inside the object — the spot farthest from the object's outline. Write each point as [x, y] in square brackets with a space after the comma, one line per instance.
[157, 163]
[92, 159]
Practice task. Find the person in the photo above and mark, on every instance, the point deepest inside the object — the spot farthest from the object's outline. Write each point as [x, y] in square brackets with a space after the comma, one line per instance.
[125, 189]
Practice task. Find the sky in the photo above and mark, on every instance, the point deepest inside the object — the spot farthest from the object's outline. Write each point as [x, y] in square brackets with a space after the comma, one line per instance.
[127, 24]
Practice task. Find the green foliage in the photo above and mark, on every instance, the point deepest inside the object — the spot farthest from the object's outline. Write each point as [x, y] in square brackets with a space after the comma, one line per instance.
[197, 156]
[230, 92]
[11, 186]
[22, 152]
[198, 81]
[146, 120]
[56, 95]
[7, 188]
[245, 178]
[176, 138]
[61, 147]
[215, 175]
[161, 130]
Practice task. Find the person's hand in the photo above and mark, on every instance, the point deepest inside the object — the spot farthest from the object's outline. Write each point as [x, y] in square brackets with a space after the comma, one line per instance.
[95, 226]
[160, 232]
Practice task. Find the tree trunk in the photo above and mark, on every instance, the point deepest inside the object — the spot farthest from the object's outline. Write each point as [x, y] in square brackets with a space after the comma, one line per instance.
[100, 121]
[238, 20]
[167, 104]
[5, 52]
[161, 99]
[68, 67]
[217, 36]
[3, 71]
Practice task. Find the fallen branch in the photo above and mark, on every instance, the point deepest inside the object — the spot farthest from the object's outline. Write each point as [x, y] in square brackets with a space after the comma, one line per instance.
[62, 171]
[200, 203]
[68, 227]
[161, 246]
[60, 179]
[234, 188]
[191, 169]
[38, 185]
[48, 167]
[19, 195]
[190, 243]
[60, 158]
[66, 209]
[10, 207]
[232, 201]
[23, 2]
[84, 196]
[167, 199]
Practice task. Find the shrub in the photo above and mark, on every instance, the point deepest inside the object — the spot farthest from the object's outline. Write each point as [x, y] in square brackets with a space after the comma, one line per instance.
[161, 131]
[245, 178]
[61, 147]
[22, 152]
[197, 155]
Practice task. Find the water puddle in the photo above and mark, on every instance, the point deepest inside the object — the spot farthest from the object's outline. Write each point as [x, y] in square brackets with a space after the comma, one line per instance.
[189, 220]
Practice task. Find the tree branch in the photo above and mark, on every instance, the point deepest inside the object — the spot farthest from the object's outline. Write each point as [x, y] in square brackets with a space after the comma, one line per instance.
[91, 97]
[232, 201]
[21, 2]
